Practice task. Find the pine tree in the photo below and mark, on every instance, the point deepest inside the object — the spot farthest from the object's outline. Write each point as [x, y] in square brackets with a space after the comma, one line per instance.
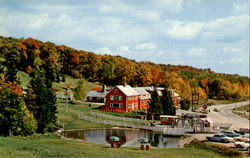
[167, 103]
[155, 103]
[43, 103]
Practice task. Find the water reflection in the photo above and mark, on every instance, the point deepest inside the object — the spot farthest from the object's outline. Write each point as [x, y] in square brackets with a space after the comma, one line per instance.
[128, 137]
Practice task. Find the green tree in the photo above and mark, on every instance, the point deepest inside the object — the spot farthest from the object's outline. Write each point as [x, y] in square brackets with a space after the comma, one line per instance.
[80, 90]
[155, 103]
[43, 104]
[185, 104]
[14, 117]
[167, 103]
[12, 63]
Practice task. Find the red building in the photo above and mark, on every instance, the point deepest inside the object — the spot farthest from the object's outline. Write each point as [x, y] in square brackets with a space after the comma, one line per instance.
[122, 99]
[144, 98]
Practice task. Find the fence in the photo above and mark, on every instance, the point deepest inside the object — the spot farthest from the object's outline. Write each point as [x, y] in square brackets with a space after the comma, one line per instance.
[124, 119]
[60, 124]
[173, 131]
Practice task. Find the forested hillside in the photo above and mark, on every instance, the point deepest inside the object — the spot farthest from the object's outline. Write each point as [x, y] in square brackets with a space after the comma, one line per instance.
[111, 70]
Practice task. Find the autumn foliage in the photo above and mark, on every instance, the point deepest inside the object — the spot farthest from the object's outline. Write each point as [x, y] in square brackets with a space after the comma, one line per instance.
[113, 70]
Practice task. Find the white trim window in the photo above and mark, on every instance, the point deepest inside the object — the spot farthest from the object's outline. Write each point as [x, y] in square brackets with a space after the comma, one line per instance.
[115, 97]
[111, 97]
[115, 105]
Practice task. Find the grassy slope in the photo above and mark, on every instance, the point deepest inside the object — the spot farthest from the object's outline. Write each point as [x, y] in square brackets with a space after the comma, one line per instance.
[72, 82]
[70, 118]
[52, 146]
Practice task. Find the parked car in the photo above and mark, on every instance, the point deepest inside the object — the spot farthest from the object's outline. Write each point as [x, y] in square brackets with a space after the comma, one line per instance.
[243, 138]
[244, 130]
[220, 138]
[231, 134]
[243, 145]
[217, 110]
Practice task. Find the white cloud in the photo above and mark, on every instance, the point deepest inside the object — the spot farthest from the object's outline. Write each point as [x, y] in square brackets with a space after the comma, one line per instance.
[105, 9]
[171, 5]
[230, 28]
[241, 7]
[147, 15]
[104, 50]
[233, 50]
[124, 49]
[222, 29]
[196, 52]
[183, 30]
[145, 47]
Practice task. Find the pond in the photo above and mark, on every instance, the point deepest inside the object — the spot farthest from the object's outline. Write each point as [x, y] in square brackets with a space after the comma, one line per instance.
[128, 137]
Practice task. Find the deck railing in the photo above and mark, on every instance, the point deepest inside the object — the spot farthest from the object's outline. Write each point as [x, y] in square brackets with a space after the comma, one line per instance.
[124, 119]
[164, 130]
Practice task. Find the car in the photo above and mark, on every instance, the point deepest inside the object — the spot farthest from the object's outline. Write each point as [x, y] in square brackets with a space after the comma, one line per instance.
[231, 134]
[243, 145]
[217, 110]
[243, 138]
[220, 138]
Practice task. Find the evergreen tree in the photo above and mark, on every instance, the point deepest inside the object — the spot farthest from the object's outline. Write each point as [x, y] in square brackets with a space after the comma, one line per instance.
[155, 103]
[185, 104]
[12, 64]
[42, 101]
[167, 103]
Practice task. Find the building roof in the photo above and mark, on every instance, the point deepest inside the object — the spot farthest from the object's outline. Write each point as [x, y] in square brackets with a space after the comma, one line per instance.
[152, 88]
[97, 94]
[141, 91]
[144, 97]
[128, 90]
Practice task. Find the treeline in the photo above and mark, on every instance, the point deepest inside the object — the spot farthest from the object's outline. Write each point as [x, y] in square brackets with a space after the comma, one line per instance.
[59, 60]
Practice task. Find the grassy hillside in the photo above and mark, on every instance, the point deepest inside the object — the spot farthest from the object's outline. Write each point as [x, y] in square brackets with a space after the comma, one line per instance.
[72, 82]
[70, 118]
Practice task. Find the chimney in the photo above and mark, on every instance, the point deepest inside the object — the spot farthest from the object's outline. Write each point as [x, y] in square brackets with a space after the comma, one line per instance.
[104, 88]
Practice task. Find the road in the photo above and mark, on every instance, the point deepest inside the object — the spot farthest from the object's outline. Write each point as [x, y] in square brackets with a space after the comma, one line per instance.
[225, 115]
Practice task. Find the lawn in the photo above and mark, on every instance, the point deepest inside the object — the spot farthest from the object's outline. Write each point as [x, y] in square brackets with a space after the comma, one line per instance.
[72, 82]
[70, 118]
[54, 146]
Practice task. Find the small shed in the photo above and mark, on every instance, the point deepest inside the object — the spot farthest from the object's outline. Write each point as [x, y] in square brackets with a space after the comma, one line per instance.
[168, 120]
[207, 124]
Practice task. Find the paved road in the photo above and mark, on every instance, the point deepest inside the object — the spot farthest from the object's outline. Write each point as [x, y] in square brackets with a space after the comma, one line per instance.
[225, 115]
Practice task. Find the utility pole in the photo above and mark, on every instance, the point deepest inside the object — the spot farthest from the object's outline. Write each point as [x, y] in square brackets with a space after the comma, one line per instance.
[195, 99]
[67, 97]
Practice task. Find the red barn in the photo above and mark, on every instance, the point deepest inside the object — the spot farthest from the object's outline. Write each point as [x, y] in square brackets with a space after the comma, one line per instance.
[121, 99]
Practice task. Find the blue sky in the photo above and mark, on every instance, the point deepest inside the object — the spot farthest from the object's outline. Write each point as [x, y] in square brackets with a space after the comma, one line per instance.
[201, 33]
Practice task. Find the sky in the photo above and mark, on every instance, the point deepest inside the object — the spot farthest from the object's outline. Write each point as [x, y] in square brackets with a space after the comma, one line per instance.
[200, 33]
